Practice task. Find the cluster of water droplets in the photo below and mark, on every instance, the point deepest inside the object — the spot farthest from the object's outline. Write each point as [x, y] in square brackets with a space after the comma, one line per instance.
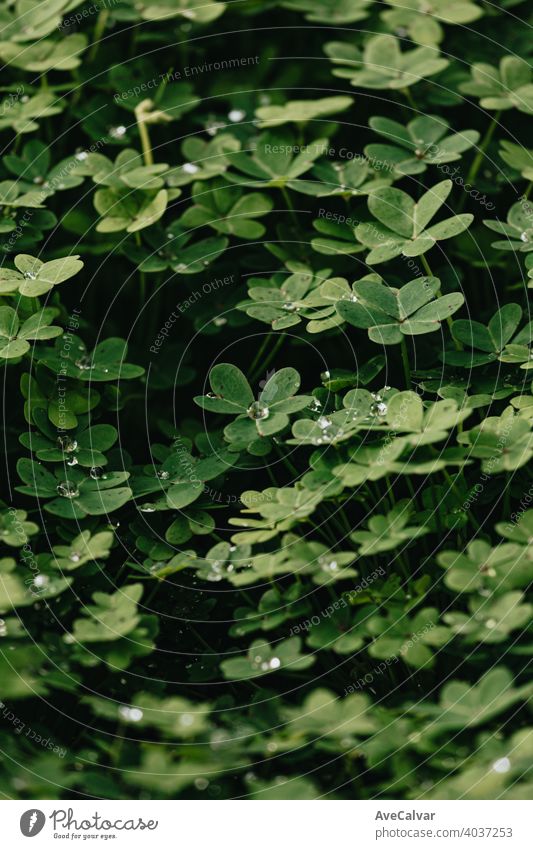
[264, 665]
[328, 564]
[130, 714]
[329, 431]
[67, 489]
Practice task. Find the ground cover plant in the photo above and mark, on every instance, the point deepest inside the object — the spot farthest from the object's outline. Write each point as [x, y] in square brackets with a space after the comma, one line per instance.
[267, 520]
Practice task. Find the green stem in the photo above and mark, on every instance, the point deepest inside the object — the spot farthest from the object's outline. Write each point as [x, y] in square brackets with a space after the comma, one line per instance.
[289, 205]
[405, 361]
[99, 29]
[476, 164]
[142, 291]
[148, 156]
[425, 263]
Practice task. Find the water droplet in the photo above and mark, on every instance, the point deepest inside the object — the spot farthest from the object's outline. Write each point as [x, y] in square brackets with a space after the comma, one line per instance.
[29, 275]
[220, 321]
[147, 508]
[323, 422]
[130, 714]
[213, 128]
[274, 663]
[236, 115]
[162, 475]
[290, 307]
[491, 623]
[524, 237]
[181, 267]
[328, 564]
[351, 297]
[96, 472]
[186, 719]
[325, 375]
[117, 132]
[81, 156]
[3, 628]
[41, 581]
[66, 444]
[379, 409]
[75, 557]
[315, 405]
[201, 783]
[502, 765]
[258, 411]
[190, 168]
[84, 363]
[66, 489]
[72, 462]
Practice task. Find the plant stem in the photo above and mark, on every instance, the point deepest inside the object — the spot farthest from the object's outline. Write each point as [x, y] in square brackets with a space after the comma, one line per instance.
[148, 156]
[476, 164]
[405, 361]
[142, 292]
[99, 29]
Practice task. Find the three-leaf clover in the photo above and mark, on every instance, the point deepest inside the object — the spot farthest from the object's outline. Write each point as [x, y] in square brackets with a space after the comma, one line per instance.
[266, 416]
[507, 87]
[262, 658]
[390, 314]
[384, 66]
[402, 223]
[518, 229]
[77, 495]
[422, 142]
[227, 209]
[493, 341]
[15, 337]
[33, 277]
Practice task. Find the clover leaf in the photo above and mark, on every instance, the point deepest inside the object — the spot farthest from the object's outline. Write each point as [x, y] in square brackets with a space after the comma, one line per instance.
[401, 227]
[503, 443]
[227, 209]
[84, 548]
[110, 617]
[301, 111]
[422, 20]
[387, 532]
[389, 314]
[343, 12]
[15, 337]
[518, 230]
[276, 161]
[262, 658]
[422, 142]
[33, 277]
[384, 66]
[75, 496]
[21, 113]
[106, 362]
[490, 621]
[508, 86]
[396, 634]
[496, 340]
[518, 157]
[266, 416]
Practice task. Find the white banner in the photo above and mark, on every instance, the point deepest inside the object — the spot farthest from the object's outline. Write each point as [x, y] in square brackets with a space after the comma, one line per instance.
[262, 825]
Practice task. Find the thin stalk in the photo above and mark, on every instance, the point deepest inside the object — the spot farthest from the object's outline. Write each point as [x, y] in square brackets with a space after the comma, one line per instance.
[99, 29]
[146, 145]
[142, 290]
[425, 263]
[476, 164]
[405, 361]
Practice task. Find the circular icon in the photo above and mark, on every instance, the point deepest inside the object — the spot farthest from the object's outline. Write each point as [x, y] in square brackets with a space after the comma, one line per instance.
[32, 822]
